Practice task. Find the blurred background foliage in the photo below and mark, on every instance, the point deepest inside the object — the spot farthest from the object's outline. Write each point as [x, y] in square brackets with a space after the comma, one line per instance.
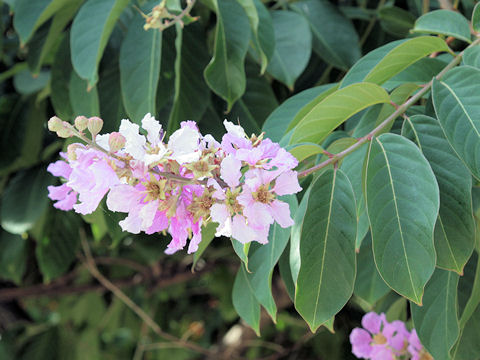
[93, 57]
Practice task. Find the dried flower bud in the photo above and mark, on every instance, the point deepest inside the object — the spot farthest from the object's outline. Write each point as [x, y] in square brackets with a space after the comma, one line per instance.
[81, 123]
[116, 141]
[95, 124]
[54, 124]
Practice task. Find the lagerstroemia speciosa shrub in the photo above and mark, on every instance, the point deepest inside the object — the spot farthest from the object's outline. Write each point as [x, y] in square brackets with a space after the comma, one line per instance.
[335, 148]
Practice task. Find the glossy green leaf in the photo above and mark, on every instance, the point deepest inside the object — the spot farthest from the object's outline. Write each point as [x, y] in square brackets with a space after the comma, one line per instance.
[245, 302]
[61, 72]
[468, 346]
[24, 200]
[278, 121]
[84, 101]
[39, 52]
[402, 199]
[286, 272]
[57, 248]
[264, 259]
[444, 22]
[26, 83]
[419, 73]
[369, 286]
[455, 228]
[29, 15]
[296, 234]
[457, 105]
[13, 257]
[334, 37]
[436, 321]
[208, 234]
[191, 92]
[352, 165]
[90, 32]
[476, 18]
[335, 109]
[225, 74]
[304, 150]
[387, 61]
[293, 46]
[395, 20]
[261, 25]
[473, 301]
[327, 249]
[471, 57]
[140, 57]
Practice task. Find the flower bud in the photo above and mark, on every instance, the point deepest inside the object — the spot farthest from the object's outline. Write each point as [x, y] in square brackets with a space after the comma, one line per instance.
[95, 124]
[81, 123]
[116, 141]
[54, 124]
[71, 151]
[65, 130]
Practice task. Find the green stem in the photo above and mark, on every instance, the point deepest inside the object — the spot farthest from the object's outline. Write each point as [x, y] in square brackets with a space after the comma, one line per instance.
[398, 112]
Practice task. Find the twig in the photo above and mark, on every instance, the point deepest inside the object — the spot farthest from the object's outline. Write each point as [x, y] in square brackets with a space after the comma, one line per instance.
[398, 112]
[371, 24]
[92, 268]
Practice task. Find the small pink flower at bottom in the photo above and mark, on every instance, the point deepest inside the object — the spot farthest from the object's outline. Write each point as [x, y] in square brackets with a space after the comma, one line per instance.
[416, 349]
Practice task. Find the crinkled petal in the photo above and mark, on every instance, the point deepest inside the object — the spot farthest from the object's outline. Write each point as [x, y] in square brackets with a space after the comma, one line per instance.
[122, 198]
[258, 215]
[134, 142]
[372, 322]
[133, 222]
[102, 140]
[381, 352]
[221, 215]
[236, 130]
[281, 213]
[230, 171]
[160, 223]
[184, 144]
[148, 213]
[287, 183]
[397, 334]
[58, 192]
[219, 193]
[241, 231]
[360, 340]
[67, 203]
[60, 168]
[153, 127]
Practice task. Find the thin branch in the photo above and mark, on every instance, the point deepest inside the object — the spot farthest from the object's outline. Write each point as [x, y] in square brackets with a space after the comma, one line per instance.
[92, 268]
[398, 112]
[371, 24]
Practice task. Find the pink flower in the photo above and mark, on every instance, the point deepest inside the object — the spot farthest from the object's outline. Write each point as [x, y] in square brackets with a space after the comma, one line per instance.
[416, 349]
[64, 195]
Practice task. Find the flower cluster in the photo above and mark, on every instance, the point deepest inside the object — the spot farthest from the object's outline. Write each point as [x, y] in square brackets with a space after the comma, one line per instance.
[176, 186]
[381, 340]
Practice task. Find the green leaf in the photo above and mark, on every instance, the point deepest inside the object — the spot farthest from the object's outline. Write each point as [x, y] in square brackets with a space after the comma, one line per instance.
[332, 111]
[471, 57]
[27, 83]
[245, 302]
[30, 15]
[353, 165]
[327, 249]
[208, 234]
[334, 37]
[13, 257]
[61, 72]
[476, 18]
[293, 46]
[418, 73]
[39, 51]
[191, 92]
[468, 346]
[455, 228]
[24, 200]
[57, 249]
[436, 321]
[304, 150]
[296, 234]
[369, 286]
[261, 25]
[444, 22]
[225, 74]
[91, 29]
[396, 21]
[84, 101]
[278, 121]
[241, 250]
[387, 61]
[140, 57]
[402, 199]
[264, 259]
[457, 105]
[286, 272]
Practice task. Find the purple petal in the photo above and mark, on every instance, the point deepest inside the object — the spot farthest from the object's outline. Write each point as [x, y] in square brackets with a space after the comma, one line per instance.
[230, 171]
[258, 215]
[360, 340]
[372, 322]
[58, 192]
[241, 231]
[281, 213]
[287, 183]
[122, 198]
[60, 168]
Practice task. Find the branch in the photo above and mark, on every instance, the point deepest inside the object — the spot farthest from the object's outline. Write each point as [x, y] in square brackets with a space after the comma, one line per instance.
[398, 112]
[92, 268]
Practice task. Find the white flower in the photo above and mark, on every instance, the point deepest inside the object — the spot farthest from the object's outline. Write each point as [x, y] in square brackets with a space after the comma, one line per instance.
[184, 145]
[153, 128]
[233, 129]
[134, 142]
